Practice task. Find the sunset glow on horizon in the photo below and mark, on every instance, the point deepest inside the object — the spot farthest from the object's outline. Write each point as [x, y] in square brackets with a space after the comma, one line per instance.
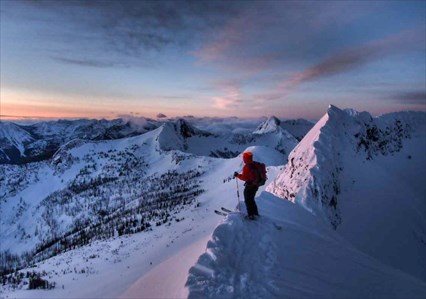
[107, 59]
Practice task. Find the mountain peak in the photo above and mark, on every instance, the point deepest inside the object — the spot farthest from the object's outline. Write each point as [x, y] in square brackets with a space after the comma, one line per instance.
[274, 119]
[183, 128]
[268, 126]
[13, 139]
[174, 134]
[333, 110]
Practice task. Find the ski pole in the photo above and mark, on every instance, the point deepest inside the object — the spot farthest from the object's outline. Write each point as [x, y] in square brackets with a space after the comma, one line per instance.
[238, 195]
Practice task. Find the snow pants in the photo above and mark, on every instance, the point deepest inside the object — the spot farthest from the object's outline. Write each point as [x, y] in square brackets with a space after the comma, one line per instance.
[249, 194]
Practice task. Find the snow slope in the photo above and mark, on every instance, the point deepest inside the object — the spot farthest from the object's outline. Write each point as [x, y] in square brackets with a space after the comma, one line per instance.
[84, 181]
[365, 176]
[75, 188]
[272, 124]
[12, 141]
[28, 143]
[129, 265]
[290, 253]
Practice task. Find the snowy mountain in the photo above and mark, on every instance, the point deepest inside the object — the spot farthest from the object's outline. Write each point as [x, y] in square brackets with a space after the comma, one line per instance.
[94, 189]
[181, 135]
[37, 142]
[298, 128]
[175, 135]
[113, 218]
[28, 143]
[364, 176]
[272, 124]
[92, 192]
[12, 141]
[88, 188]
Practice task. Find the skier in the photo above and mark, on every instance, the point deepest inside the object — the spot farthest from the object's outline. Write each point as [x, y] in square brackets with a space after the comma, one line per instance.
[254, 175]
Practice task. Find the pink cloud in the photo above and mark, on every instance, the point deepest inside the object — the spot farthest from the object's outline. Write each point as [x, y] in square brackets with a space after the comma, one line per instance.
[231, 94]
[225, 102]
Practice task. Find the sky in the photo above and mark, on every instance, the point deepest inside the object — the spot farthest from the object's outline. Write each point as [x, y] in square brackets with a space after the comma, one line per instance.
[291, 59]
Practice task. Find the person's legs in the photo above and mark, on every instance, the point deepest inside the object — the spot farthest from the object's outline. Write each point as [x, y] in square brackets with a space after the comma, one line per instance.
[249, 194]
[255, 211]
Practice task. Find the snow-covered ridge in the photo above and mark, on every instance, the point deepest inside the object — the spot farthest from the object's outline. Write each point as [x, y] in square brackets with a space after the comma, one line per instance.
[173, 135]
[181, 135]
[311, 176]
[299, 182]
[12, 140]
[14, 133]
[40, 141]
[360, 173]
[28, 143]
[290, 253]
[296, 128]
[270, 125]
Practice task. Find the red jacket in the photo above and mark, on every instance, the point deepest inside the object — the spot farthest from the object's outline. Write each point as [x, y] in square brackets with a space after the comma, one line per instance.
[248, 174]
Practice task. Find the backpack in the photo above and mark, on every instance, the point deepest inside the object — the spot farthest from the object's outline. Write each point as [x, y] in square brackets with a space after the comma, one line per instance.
[260, 170]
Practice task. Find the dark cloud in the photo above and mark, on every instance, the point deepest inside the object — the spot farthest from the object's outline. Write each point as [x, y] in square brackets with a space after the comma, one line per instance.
[411, 97]
[269, 34]
[161, 115]
[355, 57]
[88, 62]
[132, 27]
[347, 60]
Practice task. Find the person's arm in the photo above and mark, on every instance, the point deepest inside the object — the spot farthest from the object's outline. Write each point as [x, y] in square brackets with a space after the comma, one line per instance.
[245, 175]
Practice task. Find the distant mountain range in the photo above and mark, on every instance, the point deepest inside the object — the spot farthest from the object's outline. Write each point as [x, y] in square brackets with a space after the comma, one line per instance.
[28, 143]
[37, 142]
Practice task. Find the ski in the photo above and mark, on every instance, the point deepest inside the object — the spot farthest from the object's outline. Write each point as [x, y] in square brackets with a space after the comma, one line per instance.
[226, 210]
[221, 213]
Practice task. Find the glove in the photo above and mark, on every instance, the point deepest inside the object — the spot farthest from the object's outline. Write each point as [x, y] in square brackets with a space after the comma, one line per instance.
[235, 174]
